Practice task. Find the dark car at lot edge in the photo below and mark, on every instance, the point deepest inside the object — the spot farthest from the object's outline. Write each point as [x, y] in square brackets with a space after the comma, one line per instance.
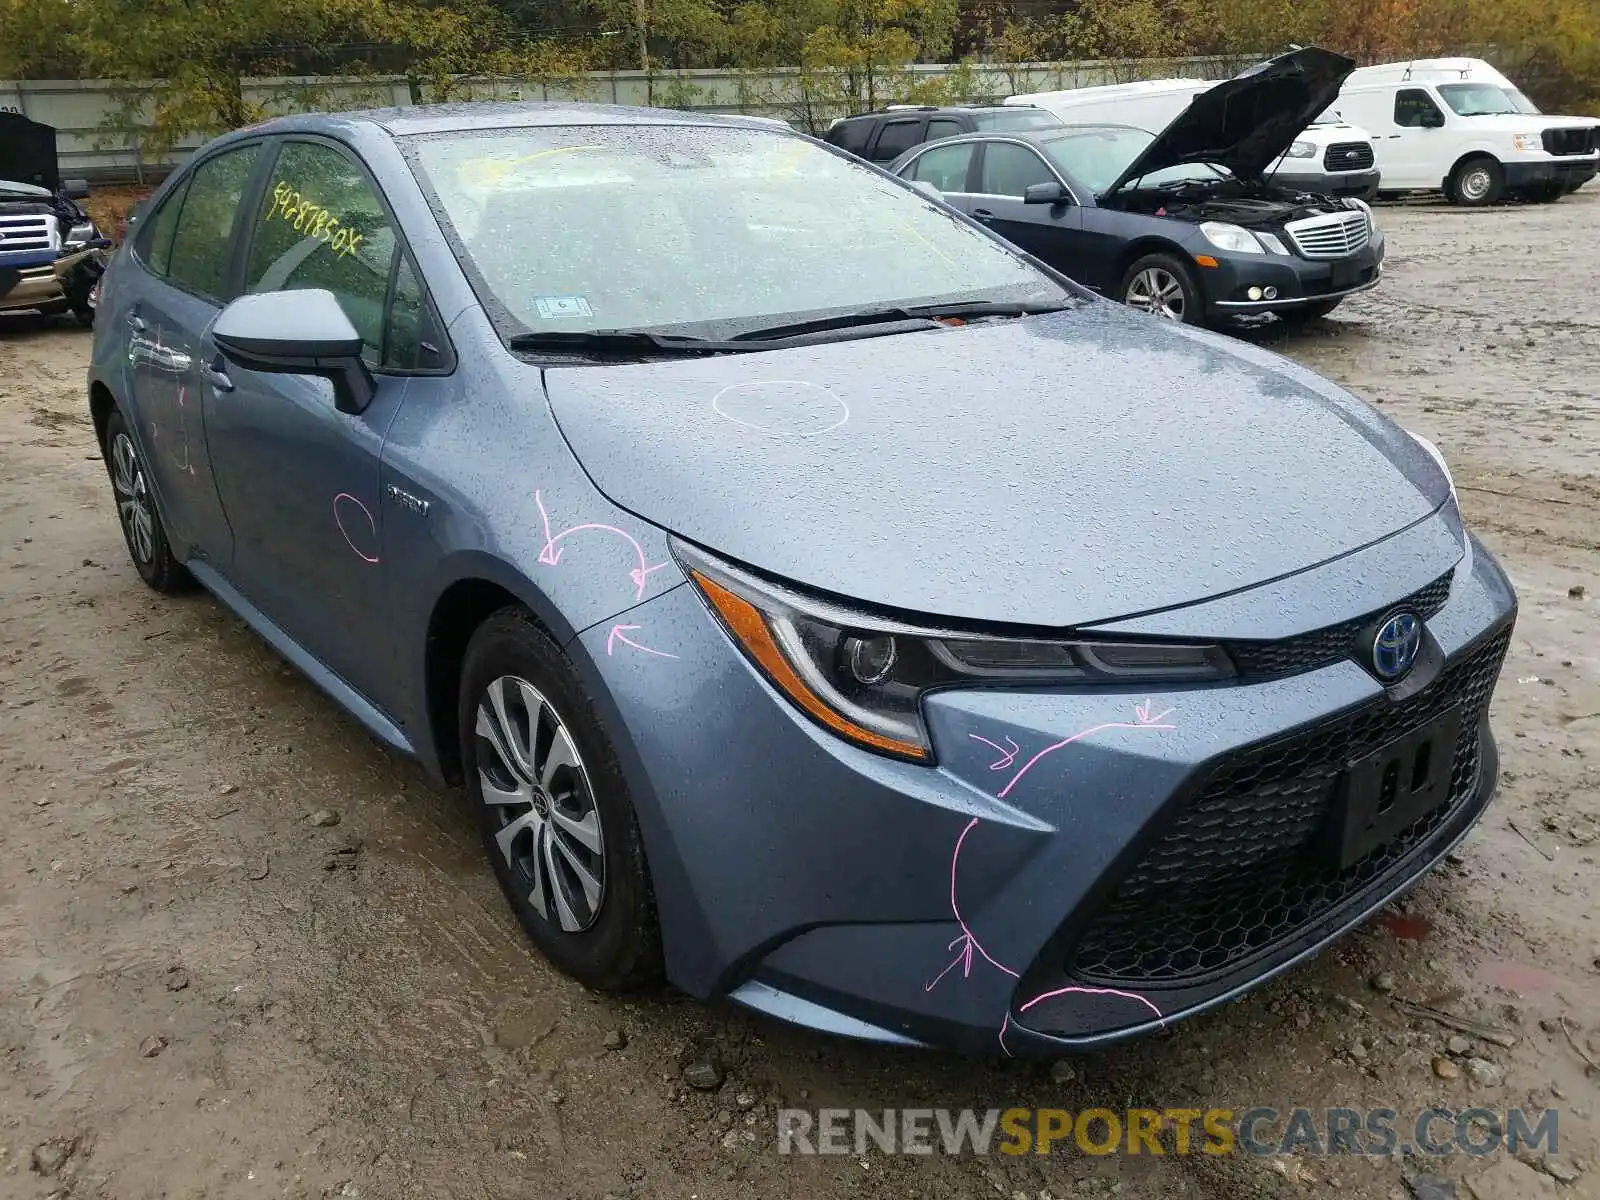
[1181, 223]
[822, 604]
[882, 136]
[51, 253]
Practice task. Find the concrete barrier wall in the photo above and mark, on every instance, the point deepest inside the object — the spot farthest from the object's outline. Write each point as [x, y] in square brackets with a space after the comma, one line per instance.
[96, 135]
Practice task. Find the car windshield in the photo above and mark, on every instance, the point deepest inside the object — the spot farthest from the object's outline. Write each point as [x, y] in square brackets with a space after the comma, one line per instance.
[1520, 101]
[1476, 99]
[605, 227]
[1016, 118]
[1097, 156]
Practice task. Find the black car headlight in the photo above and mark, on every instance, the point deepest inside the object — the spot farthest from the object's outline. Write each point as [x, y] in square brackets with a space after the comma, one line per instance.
[864, 676]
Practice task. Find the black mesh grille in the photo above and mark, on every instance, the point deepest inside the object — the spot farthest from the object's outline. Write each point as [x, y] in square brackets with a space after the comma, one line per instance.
[1348, 156]
[1579, 140]
[1233, 875]
[1308, 651]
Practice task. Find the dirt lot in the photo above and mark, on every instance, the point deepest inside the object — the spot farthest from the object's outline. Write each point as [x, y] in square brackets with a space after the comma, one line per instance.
[216, 996]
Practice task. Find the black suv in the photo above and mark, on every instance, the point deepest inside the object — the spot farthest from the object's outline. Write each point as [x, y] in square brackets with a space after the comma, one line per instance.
[883, 136]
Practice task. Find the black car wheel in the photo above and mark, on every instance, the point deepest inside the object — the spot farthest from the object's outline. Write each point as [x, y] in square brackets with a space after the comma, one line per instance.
[136, 512]
[553, 807]
[1477, 182]
[1161, 285]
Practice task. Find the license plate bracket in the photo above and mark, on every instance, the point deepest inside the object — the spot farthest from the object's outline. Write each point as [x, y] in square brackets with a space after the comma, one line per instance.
[1382, 793]
[1343, 275]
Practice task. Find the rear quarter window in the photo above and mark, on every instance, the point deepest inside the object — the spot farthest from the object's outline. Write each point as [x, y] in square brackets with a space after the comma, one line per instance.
[851, 135]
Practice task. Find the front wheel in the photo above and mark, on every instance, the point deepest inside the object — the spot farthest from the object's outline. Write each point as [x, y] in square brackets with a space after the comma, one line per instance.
[553, 807]
[1477, 182]
[1163, 286]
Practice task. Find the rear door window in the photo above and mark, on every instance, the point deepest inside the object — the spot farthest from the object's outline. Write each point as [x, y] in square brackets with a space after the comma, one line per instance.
[897, 137]
[944, 166]
[154, 242]
[202, 240]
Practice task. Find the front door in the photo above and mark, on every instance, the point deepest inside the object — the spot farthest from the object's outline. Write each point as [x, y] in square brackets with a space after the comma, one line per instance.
[184, 250]
[1051, 232]
[300, 479]
[1415, 154]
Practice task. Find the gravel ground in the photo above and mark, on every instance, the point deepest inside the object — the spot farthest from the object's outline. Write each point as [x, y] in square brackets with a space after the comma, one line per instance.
[206, 993]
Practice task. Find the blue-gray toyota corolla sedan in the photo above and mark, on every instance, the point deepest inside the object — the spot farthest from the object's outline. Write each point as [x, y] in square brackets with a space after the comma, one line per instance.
[822, 603]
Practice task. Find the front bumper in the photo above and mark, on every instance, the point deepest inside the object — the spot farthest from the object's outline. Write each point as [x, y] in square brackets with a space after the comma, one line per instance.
[1297, 280]
[1005, 896]
[63, 282]
[1361, 184]
[1568, 173]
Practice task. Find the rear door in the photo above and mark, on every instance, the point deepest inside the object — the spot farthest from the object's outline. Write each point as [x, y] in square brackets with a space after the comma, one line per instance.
[298, 478]
[184, 252]
[1005, 171]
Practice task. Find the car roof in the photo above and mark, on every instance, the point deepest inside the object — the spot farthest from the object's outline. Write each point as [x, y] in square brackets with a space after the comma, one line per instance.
[939, 110]
[1037, 137]
[502, 114]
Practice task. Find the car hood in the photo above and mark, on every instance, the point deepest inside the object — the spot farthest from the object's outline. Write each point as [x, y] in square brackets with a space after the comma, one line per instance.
[1247, 122]
[1051, 471]
[11, 189]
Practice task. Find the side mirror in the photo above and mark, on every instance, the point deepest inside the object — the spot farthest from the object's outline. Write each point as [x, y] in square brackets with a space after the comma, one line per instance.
[300, 332]
[927, 189]
[75, 189]
[1045, 193]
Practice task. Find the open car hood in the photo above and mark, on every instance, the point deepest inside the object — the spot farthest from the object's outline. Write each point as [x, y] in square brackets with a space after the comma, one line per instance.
[1247, 122]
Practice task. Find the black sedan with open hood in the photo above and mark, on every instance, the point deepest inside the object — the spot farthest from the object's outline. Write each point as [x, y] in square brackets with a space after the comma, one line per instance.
[1183, 224]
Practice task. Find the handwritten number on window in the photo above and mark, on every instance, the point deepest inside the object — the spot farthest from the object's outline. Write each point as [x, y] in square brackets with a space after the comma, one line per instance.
[313, 220]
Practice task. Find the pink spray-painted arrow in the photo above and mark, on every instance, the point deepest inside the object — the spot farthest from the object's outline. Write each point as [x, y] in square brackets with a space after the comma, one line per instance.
[617, 634]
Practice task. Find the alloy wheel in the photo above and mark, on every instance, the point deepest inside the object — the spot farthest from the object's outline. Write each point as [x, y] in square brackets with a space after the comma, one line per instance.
[532, 777]
[133, 499]
[1158, 291]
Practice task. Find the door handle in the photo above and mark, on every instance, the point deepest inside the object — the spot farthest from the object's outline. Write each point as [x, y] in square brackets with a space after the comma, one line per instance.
[983, 214]
[136, 323]
[217, 377]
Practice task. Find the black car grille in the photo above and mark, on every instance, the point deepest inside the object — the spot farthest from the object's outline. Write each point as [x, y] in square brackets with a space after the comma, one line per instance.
[1347, 156]
[1579, 140]
[1234, 873]
[1308, 651]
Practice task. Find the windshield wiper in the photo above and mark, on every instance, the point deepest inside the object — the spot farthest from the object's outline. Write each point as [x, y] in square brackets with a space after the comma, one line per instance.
[912, 316]
[627, 343]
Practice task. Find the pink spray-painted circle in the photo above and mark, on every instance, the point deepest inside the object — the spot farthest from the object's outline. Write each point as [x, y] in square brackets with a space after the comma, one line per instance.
[371, 535]
[782, 407]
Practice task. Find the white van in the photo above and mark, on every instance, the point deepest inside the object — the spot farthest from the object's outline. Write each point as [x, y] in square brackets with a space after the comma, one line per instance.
[1330, 157]
[1452, 125]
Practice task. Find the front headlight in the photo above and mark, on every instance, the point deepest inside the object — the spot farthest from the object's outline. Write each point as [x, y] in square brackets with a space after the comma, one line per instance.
[1365, 208]
[1302, 150]
[1230, 237]
[1437, 457]
[80, 235]
[1272, 242]
[1527, 141]
[864, 677]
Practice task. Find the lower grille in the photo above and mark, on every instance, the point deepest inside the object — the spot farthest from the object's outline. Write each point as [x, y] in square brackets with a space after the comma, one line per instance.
[1333, 235]
[1348, 156]
[1234, 874]
[1579, 140]
[1319, 648]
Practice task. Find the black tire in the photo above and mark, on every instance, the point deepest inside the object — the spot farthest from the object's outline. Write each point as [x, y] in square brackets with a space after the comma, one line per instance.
[84, 316]
[142, 530]
[1184, 304]
[1301, 313]
[620, 948]
[1477, 182]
